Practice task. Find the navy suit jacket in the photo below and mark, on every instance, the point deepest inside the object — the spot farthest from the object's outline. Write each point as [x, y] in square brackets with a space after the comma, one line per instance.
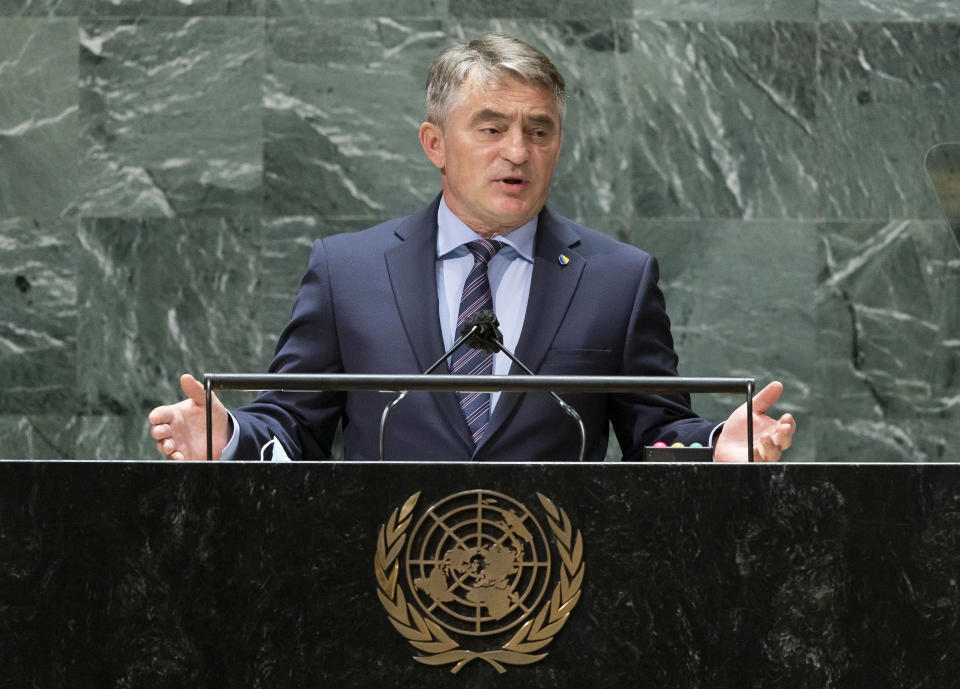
[368, 304]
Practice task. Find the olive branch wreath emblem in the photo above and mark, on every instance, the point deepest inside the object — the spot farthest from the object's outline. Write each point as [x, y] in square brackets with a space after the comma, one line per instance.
[437, 647]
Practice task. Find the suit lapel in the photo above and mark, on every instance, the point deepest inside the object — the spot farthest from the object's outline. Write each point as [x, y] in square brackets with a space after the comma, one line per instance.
[551, 289]
[412, 268]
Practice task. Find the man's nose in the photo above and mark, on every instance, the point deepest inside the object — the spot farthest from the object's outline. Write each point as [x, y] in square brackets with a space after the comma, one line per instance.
[515, 147]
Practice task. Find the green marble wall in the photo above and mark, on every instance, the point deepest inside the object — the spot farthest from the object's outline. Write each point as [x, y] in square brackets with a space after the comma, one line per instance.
[165, 164]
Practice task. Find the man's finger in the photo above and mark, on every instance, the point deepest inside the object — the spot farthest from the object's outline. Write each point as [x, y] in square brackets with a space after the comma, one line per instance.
[766, 450]
[193, 389]
[160, 415]
[785, 431]
[761, 448]
[767, 397]
[160, 432]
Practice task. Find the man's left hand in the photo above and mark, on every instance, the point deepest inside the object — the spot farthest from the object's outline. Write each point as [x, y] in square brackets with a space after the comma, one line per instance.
[770, 436]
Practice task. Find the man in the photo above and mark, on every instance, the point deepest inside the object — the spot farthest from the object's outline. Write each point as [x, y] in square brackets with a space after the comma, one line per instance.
[390, 299]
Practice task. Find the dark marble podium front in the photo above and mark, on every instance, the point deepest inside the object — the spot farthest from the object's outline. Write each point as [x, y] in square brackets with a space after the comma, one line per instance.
[151, 574]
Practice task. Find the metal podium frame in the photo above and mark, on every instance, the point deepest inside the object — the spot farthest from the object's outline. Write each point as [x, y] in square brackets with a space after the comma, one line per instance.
[345, 382]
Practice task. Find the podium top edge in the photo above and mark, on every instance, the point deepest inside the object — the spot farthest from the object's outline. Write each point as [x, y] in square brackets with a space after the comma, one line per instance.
[306, 382]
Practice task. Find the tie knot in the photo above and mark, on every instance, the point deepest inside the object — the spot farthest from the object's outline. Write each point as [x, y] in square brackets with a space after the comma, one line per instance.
[484, 249]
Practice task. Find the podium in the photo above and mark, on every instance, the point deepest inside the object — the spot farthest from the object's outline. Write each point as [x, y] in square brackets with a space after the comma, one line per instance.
[161, 574]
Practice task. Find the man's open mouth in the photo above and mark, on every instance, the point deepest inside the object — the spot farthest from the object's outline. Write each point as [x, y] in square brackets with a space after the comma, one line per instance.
[513, 180]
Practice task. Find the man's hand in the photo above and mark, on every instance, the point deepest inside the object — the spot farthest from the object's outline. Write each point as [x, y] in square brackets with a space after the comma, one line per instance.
[770, 436]
[181, 429]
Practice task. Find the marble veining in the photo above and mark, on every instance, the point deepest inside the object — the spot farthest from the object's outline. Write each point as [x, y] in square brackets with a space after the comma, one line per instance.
[726, 10]
[170, 8]
[889, 10]
[38, 8]
[356, 8]
[176, 296]
[38, 316]
[170, 113]
[884, 102]
[38, 116]
[697, 94]
[330, 149]
[888, 350]
[557, 9]
[43, 435]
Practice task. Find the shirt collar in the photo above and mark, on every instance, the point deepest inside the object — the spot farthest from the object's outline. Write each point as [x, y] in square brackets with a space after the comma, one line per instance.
[453, 233]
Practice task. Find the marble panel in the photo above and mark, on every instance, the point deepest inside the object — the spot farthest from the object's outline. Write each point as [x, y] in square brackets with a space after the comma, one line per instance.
[593, 176]
[38, 316]
[38, 8]
[888, 93]
[558, 9]
[724, 119]
[343, 101]
[38, 116]
[169, 8]
[888, 341]
[170, 112]
[357, 8]
[739, 295]
[726, 10]
[40, 436]
[158, 298]
[889, 10]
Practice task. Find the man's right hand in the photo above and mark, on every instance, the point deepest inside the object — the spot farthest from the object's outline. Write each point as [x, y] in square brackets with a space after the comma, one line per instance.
[181, 429]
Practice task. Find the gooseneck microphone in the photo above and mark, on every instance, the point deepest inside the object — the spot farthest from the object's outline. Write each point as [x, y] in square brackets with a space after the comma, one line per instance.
[481, 331]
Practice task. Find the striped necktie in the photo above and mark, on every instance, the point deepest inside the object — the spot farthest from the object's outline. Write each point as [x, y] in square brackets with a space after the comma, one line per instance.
[467, 361]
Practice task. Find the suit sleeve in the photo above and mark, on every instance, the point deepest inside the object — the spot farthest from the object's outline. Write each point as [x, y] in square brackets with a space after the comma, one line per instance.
[640, 420]
[303, 422]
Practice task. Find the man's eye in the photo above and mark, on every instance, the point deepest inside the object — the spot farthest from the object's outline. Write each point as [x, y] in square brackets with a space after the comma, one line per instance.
[490, 130]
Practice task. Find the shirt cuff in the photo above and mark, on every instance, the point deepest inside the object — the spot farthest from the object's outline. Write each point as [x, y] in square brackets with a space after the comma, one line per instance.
[230, 450]
[714, 434]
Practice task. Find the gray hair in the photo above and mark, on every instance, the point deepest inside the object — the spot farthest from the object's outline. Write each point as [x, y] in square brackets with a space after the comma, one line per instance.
[489, 58]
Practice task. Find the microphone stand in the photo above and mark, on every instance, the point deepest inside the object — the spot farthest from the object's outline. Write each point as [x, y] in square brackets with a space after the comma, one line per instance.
[484, 334]
[475, 328]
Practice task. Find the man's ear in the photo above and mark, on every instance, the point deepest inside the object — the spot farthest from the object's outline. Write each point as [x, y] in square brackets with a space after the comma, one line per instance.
[431, 138]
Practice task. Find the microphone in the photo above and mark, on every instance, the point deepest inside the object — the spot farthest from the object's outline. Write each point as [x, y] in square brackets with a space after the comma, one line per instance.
[481, 331]
[484, 331]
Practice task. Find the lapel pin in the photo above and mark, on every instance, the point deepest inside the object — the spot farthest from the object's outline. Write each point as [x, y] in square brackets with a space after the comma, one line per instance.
[563, 260]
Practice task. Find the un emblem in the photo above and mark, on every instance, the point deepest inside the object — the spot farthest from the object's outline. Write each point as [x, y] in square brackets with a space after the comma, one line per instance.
[478, 565]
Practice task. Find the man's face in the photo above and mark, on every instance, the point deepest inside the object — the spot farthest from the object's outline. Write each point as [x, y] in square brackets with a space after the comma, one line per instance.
[496, 152]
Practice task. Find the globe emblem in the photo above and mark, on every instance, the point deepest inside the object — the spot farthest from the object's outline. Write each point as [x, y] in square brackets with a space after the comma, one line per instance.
[478, 562]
